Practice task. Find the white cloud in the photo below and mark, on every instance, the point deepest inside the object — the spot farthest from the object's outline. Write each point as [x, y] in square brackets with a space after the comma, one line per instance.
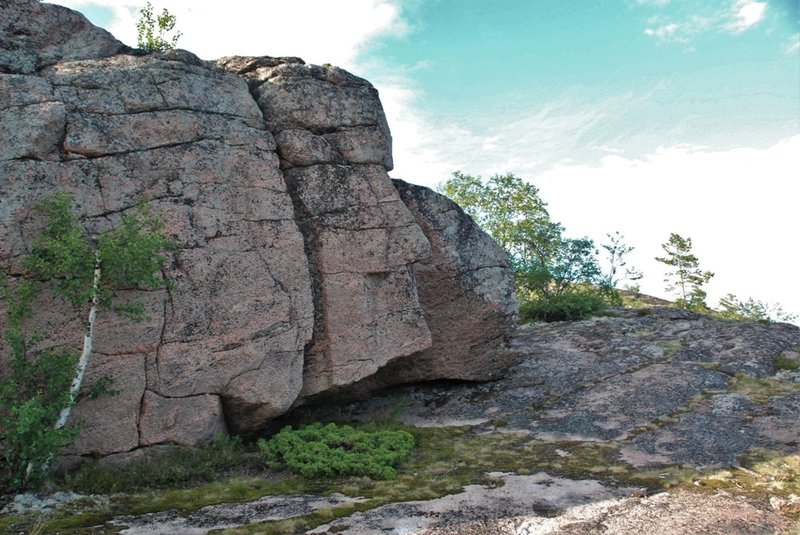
[664, 32]
[738, 206]
[733, 18]
[747, 15]
[319, 31]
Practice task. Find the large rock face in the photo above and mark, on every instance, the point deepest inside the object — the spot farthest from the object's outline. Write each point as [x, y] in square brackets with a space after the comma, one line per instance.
[300, 268]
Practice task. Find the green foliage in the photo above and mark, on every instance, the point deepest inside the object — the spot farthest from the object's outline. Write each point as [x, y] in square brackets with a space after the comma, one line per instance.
[62, 254]
[547, 265]
[316, 451]
[687, 279]
[42, 384]
[731, 307]
[573, 305]
[152, 30]
[506, 207]
[783, 362]
[130, 255]
[31, 396]
[617, 250]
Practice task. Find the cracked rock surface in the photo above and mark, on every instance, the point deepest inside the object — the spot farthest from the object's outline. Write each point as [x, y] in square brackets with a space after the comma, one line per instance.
[649, 392]
[294, 274]
[601, 414]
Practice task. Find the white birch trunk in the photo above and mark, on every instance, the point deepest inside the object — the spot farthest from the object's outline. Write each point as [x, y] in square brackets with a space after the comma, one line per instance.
[88, 337]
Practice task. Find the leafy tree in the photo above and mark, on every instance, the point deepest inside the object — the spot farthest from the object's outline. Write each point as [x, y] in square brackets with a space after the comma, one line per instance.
[548, 267]
[616, 252]
[32, 394]
[732, 307]
[153, 30]
[687, 279]
[86, 271]
[506, 207]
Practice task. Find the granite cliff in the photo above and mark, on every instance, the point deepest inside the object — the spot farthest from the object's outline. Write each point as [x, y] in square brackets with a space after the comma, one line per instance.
[301, 268]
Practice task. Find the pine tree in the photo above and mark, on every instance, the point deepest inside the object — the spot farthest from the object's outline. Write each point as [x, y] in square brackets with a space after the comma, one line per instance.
[687, 279]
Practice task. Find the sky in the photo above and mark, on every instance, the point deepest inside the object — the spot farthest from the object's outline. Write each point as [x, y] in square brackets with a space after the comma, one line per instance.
[646, 117]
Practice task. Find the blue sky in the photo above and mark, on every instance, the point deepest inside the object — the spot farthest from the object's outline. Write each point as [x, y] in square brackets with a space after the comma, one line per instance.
[643, 116]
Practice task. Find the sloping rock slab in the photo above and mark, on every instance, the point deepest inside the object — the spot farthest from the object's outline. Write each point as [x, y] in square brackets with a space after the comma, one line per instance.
[542, 504]
[215, 517]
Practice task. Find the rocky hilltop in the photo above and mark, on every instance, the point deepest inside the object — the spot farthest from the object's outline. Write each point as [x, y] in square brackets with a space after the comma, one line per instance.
[301, 268]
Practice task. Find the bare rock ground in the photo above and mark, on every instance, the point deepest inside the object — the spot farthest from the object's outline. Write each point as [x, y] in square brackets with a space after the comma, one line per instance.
[661, 395]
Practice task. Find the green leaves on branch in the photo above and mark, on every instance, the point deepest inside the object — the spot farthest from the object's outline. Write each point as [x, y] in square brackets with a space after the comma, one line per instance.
[153, 30]
[87, 272]
[31, 396]
[547, 265]
[130, 255]
[731, 307]
[506, 207]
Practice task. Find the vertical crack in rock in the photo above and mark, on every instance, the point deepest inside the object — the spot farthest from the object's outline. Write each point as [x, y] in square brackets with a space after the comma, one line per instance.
[466, 289]
[335, 148]
[299, 269]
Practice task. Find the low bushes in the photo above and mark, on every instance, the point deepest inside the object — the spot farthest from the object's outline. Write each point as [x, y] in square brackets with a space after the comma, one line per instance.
[316, 451]
[564, 307]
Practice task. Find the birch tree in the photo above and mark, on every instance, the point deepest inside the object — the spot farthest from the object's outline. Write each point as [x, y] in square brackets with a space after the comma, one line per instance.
[87, 271]
[153, 29]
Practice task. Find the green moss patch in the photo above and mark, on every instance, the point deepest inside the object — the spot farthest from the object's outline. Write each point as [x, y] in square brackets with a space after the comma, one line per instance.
[760, 390]
[782, 362]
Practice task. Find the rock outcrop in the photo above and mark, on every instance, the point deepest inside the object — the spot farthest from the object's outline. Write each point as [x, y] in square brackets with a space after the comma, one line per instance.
[300, 269]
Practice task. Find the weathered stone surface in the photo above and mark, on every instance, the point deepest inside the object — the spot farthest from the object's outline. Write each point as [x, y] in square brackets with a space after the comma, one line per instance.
[335, 148]
[185, 421]
[466, 289]
[32, 131]
[625, 380]
[110, 423]
[294, 271]
[543, 504]
[112, 130]
[33, 35]
[362, 241]
[340, 112]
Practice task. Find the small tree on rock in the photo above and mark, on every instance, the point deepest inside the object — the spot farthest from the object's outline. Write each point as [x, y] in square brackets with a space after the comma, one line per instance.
[87, 272]
[616, 252]
[153, 29]
[687, 279]
[553, 274]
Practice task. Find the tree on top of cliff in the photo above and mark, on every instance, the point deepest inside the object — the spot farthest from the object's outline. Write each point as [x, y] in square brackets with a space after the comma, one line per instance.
[152, 30]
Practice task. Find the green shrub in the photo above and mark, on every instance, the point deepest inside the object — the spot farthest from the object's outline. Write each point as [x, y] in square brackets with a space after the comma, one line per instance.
[563, 307]
[32, 394]
[315, 451]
